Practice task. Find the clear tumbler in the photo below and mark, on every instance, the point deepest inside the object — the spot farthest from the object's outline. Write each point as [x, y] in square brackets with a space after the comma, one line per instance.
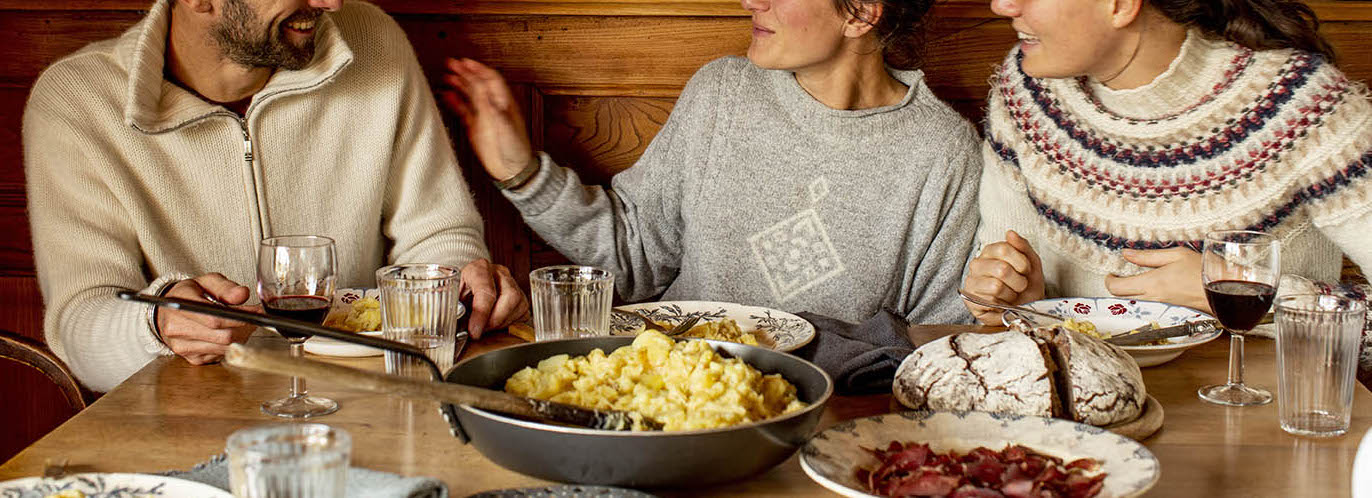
[420, 306]
[571, 301]
[289, 461]
[1317, 353]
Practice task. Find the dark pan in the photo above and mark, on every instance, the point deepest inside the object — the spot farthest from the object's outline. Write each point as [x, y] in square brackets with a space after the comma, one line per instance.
[638, 459]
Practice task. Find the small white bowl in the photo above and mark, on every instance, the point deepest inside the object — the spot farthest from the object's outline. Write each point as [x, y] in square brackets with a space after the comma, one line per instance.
[1113, 316]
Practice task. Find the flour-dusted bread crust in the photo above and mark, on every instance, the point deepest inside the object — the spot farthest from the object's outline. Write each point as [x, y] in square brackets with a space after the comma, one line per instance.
[1002, 373]
[1106, 385]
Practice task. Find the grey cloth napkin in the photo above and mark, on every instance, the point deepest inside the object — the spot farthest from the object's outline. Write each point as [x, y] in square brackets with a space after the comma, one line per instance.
[361, 482]
[861, 358]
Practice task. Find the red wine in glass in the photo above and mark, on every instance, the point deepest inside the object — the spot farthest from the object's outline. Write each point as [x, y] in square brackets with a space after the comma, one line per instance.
[1239, 305]
[311, 309]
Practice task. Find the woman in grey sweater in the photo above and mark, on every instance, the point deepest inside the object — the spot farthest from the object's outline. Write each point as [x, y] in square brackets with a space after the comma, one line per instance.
[819, 174]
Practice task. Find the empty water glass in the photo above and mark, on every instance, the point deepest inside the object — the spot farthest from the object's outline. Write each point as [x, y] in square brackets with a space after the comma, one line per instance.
[420, 307]
[571, 301]
[289, 461]
[1317, 352]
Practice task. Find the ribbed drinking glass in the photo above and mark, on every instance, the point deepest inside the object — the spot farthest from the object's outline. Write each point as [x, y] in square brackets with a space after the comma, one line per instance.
[289, 461]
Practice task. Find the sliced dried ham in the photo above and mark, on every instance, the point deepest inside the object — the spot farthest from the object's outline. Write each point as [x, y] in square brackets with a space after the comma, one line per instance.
[912, 469]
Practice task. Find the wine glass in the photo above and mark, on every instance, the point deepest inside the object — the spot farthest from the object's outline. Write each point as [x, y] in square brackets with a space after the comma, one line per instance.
[295, 279]
[1240, 270]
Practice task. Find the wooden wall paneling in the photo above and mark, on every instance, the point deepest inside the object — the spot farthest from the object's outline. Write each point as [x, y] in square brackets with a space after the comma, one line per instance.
[1353, 45]
[612, 56]
[30, 40]
[603, 135]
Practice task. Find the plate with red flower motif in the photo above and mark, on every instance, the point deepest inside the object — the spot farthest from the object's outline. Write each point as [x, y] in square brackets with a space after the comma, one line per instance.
[1112, 315]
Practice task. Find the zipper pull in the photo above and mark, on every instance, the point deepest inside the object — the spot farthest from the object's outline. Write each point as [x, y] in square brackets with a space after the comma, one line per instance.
[247, 150]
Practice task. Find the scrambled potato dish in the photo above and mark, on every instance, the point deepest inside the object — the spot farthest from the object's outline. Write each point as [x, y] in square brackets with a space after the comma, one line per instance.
[1088, 328]
[1084, 327]
[365, 315]
[684, 385]
[723, 330]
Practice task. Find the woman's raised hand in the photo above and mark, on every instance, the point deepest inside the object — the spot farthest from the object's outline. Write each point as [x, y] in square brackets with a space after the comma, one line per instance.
[495, 125]
[1006, 272]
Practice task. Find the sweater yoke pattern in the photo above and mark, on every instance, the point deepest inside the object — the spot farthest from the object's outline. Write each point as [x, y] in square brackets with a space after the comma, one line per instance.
[1250, 151]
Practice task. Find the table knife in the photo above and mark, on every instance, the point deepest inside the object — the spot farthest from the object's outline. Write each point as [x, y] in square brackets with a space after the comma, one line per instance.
[1138, 337]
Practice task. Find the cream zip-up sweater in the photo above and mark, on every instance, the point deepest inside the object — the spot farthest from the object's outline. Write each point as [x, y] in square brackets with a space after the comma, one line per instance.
[134, 182]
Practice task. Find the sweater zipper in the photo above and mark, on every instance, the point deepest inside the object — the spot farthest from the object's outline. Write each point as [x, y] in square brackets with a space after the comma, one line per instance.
[256, 190]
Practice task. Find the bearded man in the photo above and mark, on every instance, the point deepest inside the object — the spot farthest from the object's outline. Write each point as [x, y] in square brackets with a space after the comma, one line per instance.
[174, 149]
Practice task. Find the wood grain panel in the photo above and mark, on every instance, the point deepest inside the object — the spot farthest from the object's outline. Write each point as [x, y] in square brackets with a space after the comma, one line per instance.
[1353, 46]
[29, 41]
[1329, 10]
[600, 136]
[616, 55]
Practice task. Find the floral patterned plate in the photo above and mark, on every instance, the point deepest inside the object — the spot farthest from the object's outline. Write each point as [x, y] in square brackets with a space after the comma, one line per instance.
[109, 486]
[776, 330]
[833, 457]
[1113, 315]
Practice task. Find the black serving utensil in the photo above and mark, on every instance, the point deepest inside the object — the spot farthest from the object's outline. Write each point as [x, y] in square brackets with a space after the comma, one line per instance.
[447, 410]
[478, 397]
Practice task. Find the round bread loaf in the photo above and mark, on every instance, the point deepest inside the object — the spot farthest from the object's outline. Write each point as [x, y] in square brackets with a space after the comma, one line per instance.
[1106, 386]
[1002, 372]
[1045, 372]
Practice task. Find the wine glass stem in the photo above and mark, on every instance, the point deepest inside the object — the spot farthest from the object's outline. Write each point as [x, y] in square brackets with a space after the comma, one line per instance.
[1235, 358]
[297, 383]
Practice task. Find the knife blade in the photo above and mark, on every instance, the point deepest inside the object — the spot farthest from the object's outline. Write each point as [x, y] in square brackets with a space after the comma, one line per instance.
[1137, 337]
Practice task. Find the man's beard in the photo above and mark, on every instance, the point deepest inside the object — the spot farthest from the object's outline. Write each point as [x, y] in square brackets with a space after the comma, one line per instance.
[238, 41]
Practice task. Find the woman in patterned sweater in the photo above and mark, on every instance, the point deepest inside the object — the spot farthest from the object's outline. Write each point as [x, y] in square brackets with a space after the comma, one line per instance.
[1119, 133]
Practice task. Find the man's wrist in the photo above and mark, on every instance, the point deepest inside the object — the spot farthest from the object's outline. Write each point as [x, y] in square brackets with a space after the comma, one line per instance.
[153, 310]
[523, 177]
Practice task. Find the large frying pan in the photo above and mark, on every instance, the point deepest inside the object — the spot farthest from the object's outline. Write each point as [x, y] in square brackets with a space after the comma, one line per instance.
[580, 455]
[638, 459]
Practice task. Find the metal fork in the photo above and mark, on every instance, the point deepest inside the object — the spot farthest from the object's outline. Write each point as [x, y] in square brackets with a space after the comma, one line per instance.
[684, 326]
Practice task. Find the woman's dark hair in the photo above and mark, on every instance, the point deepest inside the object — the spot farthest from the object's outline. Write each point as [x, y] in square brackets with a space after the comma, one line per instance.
[1256, 24]
[899, 29]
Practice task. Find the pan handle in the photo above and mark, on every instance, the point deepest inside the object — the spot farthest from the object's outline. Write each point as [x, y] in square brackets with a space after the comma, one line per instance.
[446, 409]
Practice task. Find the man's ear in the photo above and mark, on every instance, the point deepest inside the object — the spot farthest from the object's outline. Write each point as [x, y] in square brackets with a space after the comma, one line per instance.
[1124, 12]
[197, 6]
[868, 13]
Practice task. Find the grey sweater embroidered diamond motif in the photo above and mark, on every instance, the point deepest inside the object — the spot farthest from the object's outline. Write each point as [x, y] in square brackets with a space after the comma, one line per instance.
[754, 192]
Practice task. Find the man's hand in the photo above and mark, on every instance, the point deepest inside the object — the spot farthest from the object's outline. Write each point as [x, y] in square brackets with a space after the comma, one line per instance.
[497, 300]
[202, 339]
[1175, 278]
[1006, 272]
[495, 125]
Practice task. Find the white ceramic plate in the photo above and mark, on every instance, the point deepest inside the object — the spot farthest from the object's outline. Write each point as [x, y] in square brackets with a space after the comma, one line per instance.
[833, 457]
[111, 486]
[775, 329]
[342, 305]
[1117, 315]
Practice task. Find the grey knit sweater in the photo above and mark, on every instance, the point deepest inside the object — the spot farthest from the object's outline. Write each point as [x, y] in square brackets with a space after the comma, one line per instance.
[756, 193]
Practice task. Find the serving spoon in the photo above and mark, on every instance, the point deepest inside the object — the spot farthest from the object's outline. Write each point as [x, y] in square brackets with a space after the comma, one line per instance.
[1006, 307]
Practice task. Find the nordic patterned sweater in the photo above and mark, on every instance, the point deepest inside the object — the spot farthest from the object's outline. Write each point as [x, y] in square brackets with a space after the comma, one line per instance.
[1226, 138]
[756, 193]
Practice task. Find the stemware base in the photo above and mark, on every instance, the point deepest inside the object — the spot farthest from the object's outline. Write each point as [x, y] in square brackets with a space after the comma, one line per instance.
[1234, 395]
[300, 407]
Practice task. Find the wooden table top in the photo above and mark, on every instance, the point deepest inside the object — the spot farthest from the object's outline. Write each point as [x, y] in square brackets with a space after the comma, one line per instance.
[171, 415]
